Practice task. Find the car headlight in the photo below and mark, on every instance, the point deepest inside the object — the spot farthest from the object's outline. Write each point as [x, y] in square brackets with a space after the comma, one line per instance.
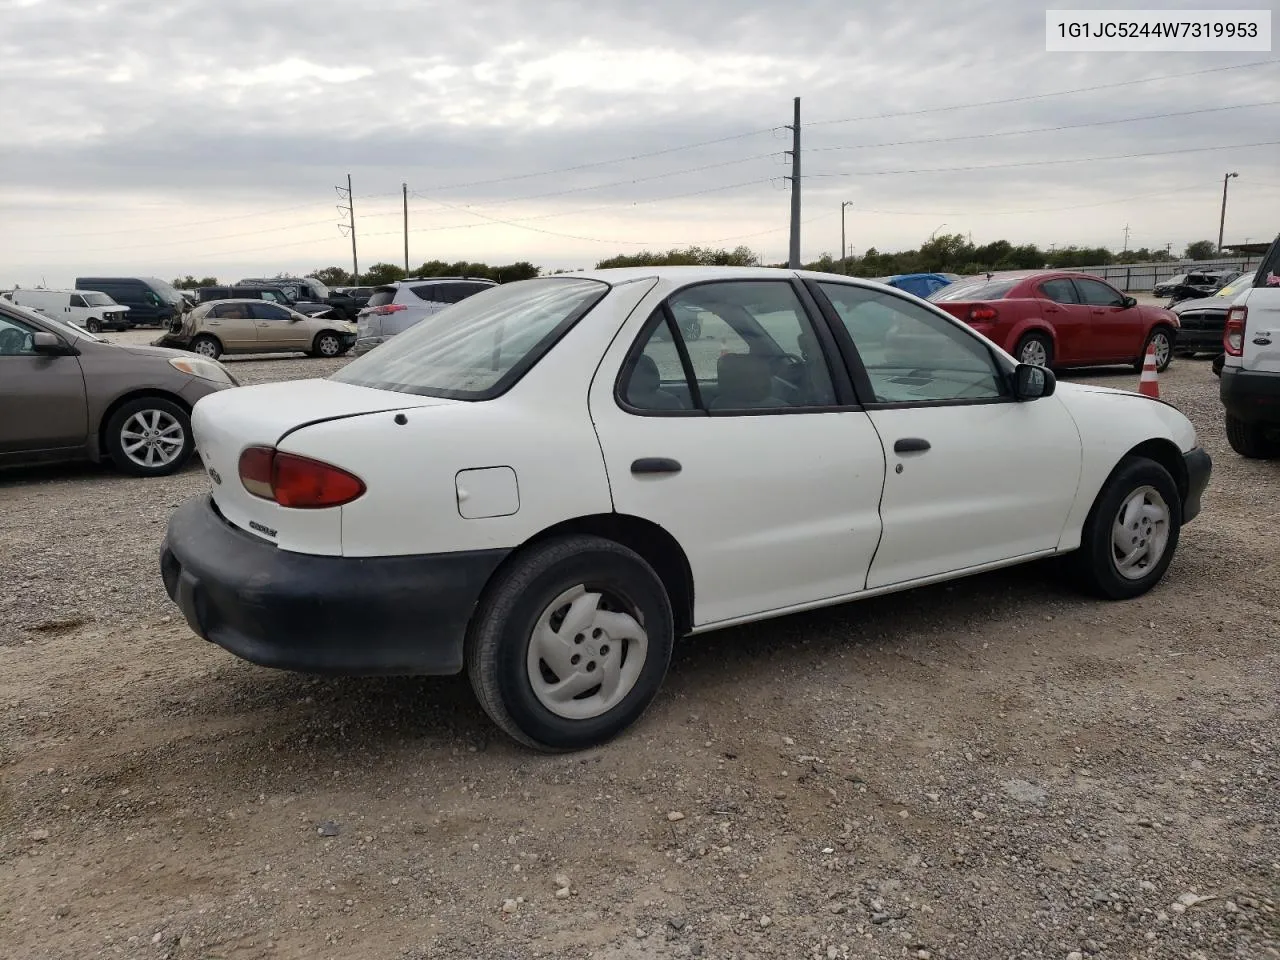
[209, 370]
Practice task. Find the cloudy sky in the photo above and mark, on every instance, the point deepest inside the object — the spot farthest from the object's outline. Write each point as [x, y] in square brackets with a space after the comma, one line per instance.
[207, 136]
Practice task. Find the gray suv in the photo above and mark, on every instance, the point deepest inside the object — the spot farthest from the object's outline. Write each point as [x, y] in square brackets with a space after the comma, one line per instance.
[395, 307]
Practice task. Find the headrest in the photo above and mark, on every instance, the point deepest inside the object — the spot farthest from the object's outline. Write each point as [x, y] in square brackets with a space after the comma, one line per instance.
[743, 378]
[645, 377]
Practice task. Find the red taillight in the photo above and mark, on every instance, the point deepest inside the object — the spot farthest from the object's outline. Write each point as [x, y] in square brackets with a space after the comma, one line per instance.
[297, 482]
[383, 310]
[1233, 332]
[983, 314]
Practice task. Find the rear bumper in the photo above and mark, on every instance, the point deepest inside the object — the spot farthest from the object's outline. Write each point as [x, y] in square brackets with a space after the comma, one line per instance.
[1250, 396]
[1199, 467]
[365, 344]
[330, 615]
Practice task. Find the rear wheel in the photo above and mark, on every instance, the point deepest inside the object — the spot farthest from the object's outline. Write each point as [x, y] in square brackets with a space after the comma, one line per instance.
[571, 643]
[1250, 439]
[207, 346]
[1035, 348]
[326, 345]
[1131, 533]
[93, 325]
[149, 437]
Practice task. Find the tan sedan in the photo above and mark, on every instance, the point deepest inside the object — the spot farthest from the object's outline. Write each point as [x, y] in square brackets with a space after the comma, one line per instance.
[257, 326]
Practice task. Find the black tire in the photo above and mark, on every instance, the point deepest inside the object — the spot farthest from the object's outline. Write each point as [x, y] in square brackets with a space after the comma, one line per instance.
[1094, 565]
[1250, 439]
[327, 344]
[1168, 357]
[500, 634]
[114, 440]
[93, 325]
[1039, 338]
[207, 346]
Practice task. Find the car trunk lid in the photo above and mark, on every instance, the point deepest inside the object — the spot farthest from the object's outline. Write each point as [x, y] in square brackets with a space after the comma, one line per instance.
[226, 423]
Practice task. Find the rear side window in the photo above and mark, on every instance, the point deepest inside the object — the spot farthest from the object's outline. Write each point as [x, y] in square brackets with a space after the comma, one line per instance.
[382, 296]
[430, 292]
[988, 290]
[1098, 294]
[1061, 290]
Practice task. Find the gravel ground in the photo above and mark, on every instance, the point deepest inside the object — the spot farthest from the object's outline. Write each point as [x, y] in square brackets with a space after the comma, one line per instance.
[992, 768]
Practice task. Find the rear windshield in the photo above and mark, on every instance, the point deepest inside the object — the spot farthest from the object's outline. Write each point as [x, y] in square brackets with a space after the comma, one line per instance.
[478, 348]
[382, 296]
[982, 290]
[98, 300]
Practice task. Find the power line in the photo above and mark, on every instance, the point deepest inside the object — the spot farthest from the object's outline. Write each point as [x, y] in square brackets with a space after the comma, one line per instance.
[171, 243]
[1045, 163]
[1068, 126]
[1040, 96]
[188, 223]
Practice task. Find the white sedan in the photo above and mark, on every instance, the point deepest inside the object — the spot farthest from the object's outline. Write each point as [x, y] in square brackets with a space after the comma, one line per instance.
[552, 481]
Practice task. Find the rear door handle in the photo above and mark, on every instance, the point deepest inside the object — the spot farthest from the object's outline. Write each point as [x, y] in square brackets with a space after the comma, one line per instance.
[655, 465]
[911, 445]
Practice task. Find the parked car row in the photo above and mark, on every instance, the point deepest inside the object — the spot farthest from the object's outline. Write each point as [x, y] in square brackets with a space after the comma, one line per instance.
[1194, 285]
[393, 308]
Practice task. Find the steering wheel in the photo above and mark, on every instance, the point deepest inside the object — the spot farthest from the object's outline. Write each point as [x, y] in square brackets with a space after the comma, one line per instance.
[14, 342]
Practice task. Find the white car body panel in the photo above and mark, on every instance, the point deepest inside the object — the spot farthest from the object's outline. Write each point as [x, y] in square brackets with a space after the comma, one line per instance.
[775, 512]
[1261, 331]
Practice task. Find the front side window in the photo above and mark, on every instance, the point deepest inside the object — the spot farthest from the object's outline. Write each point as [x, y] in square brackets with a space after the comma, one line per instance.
[78, 301]
[754, 350]
[15, 338]
[1098, 294]
[911, 354]
[481, 347]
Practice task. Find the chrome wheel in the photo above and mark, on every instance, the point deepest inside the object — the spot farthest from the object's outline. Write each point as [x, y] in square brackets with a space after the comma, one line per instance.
[206, 348]
[1160, 340]
[1140, 533]
[152, 438]
[586, 654]
[328, 346]
[1034, 351]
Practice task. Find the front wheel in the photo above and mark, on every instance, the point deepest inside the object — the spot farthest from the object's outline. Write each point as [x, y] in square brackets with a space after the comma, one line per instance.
[93, 325]
[149, 437]
[1131, 533]
[571, 643]
[1162, 340]
[206, 346]
[326, 345]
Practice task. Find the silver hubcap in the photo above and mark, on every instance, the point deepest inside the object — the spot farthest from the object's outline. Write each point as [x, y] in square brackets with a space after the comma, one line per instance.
[585, 654]
[1140, 533]
[328, 346]
[1161, 343]
[152, 438]
[206, 349]
[1033, 351]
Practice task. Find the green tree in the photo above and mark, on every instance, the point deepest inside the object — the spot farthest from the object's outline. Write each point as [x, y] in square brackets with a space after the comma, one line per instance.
[190, 283]
[332, 276]
[382, 273]
[688, 257]
[1201, 250]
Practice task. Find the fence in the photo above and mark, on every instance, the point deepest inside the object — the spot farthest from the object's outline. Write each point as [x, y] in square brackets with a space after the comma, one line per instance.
[1143, 277]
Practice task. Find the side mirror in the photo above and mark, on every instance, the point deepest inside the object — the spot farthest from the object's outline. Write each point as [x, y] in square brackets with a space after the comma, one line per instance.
[48, 344]
[1031, 382]
[1130, 302]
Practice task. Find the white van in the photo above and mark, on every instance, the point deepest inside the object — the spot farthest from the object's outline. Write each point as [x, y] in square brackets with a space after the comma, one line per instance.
[89, 309]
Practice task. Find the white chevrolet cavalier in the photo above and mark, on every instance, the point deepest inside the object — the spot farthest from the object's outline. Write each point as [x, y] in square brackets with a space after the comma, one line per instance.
[550, 482]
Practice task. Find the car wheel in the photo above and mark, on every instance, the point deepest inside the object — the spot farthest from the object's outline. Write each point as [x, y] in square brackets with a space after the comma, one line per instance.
[207, 346]
[1131, 533]
[93, 325]
[1035, 348]
[1163, 342]
[1250, 439]
[571, 643]
[149, 437]
[326, 345]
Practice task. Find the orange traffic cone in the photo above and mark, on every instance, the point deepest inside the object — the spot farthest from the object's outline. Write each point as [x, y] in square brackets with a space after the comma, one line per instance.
[1149, 382]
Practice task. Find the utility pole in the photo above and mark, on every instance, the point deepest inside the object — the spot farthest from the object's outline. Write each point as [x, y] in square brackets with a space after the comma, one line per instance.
[1126, 239]
[1222, 221]
[844, 261]
[793, 260]
[404, 188]
[350, 210]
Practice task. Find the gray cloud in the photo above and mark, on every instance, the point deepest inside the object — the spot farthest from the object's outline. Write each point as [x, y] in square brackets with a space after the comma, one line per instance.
[130, 125]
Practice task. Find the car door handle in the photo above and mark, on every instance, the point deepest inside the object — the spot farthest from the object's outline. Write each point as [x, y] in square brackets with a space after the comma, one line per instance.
[655, 465]
[911, 445]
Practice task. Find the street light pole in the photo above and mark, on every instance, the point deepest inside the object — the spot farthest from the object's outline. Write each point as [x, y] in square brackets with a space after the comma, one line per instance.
[935, 232]
[844, 262]
[1222, 221]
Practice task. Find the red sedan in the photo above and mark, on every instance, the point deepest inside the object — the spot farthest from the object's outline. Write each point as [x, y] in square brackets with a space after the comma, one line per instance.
[1061, 319]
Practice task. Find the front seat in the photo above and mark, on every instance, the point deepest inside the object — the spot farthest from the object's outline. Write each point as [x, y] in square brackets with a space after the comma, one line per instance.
[745, 383]
[644, 390]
